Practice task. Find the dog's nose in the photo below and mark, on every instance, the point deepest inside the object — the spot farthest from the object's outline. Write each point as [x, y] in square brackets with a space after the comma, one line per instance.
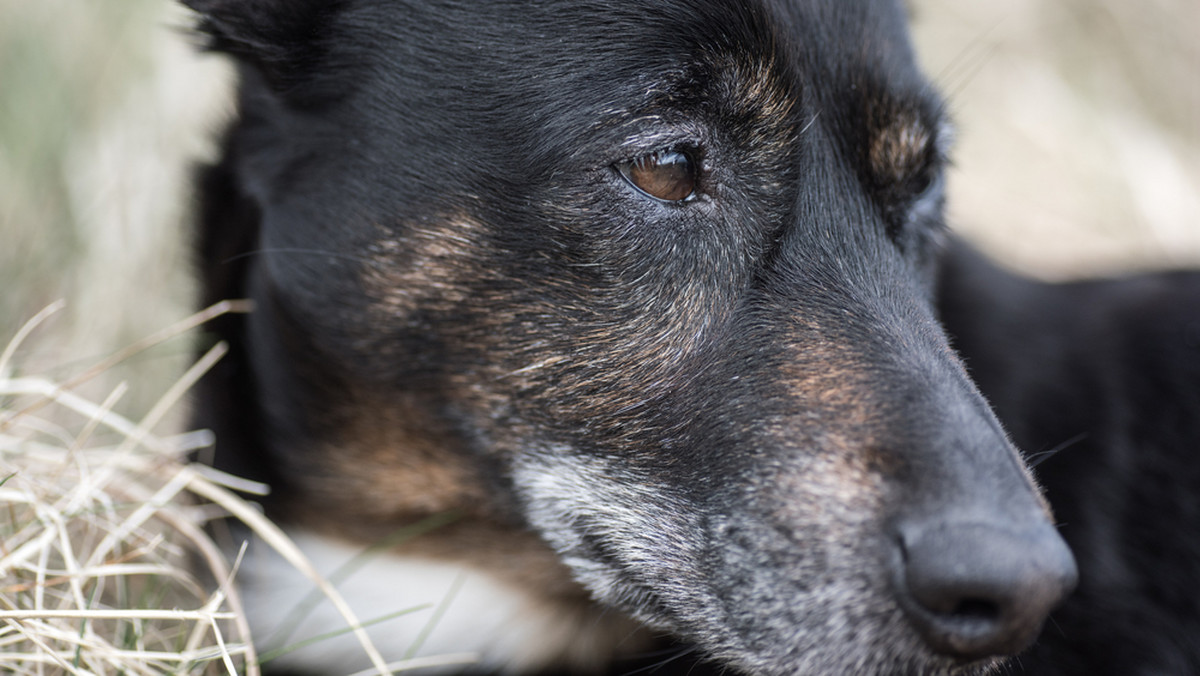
[975, 590]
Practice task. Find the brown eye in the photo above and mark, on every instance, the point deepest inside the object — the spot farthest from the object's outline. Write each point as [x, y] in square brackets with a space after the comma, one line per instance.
[667, 175]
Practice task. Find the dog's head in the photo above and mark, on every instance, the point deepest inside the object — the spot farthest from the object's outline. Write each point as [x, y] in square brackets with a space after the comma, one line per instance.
[652, 280]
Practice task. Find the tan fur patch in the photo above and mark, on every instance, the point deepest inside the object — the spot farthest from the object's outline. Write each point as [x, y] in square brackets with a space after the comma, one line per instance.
[755, 92]
[430, 263]
[753, 86]
[638, 338]
[834, 387]
[900, 147]
[388, 459]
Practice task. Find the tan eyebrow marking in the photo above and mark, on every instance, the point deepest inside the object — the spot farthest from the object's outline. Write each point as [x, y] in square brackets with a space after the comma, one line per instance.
[900, 146]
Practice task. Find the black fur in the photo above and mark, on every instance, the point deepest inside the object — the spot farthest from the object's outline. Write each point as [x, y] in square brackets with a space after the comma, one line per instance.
[736, 418]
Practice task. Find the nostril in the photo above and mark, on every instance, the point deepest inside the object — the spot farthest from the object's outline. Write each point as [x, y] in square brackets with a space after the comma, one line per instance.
[977, 610]
[976, 590]
[957, 596]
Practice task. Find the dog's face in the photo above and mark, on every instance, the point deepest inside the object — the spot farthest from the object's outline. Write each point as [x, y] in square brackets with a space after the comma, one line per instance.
[653, 281]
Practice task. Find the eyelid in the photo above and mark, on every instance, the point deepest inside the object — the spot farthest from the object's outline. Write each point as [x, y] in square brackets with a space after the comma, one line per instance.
[926, 203]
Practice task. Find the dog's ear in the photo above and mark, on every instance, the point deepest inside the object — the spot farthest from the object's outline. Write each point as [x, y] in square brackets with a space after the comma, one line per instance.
[284, 39]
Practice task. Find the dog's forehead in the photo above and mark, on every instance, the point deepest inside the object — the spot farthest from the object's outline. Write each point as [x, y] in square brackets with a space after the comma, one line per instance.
[556, 54]
[493, 99]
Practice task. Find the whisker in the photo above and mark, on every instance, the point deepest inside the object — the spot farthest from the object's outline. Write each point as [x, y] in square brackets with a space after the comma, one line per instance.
[673, 654]
[1040, 457]
[971, 59]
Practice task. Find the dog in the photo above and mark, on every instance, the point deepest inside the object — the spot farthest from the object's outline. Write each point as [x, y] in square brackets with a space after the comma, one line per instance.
[653, 308]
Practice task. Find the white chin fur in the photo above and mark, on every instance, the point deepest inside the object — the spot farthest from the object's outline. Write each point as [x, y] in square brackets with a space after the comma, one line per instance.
[503, 628]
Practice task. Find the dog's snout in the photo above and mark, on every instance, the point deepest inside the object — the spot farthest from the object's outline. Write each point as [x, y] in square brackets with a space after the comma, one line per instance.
[976, 590]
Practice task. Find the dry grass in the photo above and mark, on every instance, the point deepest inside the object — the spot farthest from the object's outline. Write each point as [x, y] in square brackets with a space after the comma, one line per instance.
[97, 537]
[105, 565]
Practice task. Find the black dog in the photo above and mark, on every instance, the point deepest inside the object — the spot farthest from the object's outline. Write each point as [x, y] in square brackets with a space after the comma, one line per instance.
[646, 296]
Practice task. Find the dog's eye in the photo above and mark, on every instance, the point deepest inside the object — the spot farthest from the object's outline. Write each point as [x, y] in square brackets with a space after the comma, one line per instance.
[667, 175]
[924, 181]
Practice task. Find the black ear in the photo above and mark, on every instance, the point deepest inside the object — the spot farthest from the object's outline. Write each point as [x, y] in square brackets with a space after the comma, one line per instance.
[285, 39]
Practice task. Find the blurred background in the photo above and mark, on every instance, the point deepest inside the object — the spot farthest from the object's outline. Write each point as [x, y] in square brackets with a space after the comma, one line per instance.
[1078, 128]
[1078, 152]
[104, 108]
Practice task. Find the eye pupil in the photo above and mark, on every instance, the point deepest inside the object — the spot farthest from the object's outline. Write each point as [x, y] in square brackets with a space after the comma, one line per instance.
[668, 175]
